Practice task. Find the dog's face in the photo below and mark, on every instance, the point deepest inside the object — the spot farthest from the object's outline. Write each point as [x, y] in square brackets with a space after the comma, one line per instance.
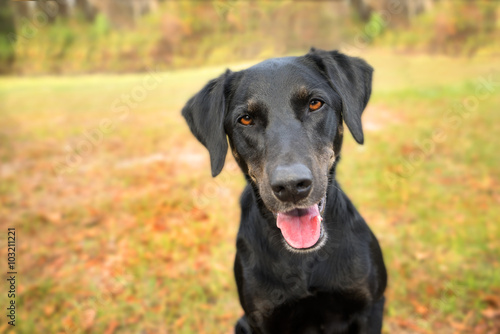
[283, 119]
[282, 129]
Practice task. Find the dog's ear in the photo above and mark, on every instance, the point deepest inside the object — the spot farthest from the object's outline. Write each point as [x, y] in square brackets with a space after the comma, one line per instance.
[204, 114]
[352, 79]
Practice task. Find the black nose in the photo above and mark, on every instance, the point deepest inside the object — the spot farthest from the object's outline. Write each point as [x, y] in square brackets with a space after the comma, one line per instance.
[291, 183]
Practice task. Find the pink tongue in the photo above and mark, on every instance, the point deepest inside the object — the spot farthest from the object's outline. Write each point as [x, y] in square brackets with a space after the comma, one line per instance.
[300, 227]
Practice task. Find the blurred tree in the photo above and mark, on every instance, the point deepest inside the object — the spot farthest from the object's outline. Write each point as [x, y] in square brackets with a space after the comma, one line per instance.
[21, 8]
[464, 26]
[182, 33]
[363, 9]
[399, 12]
[416, 7]
[87, 9]
[53, 9]
[64, 8]
[124, 13]
[7, 36]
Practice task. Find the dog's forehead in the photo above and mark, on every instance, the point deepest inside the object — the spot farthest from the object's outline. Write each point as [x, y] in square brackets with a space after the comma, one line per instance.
[274, 64]
[279, 77]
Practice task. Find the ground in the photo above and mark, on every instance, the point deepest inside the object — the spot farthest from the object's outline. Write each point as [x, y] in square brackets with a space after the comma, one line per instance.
[121, 228]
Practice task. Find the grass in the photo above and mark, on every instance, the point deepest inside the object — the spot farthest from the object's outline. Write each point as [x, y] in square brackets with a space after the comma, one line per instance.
[135, 236]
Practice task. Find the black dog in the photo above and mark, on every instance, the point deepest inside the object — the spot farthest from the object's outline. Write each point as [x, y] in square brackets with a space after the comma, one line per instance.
[306, 261]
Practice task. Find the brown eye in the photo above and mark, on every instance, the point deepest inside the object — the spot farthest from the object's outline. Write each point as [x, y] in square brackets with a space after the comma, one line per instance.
[315, 105]
[246, 120]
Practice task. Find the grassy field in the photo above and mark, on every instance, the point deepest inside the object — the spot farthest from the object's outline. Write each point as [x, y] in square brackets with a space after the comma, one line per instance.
[121, 229]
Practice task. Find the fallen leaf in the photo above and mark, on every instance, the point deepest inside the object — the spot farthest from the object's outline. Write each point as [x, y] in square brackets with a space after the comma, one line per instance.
[420, 256]
[410, 325]
[48, 309]
[458, 326]
[88, 318]
[133, 320]
[491, 313]
[225, 316]
[111, 327]
[419, 308]
[493, 301]
[179, 322]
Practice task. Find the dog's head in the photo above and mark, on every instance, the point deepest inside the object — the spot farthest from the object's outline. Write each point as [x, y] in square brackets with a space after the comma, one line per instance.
[284, 121]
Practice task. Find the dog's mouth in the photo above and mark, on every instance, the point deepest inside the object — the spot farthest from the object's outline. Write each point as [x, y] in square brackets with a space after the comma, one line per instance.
[301, 227]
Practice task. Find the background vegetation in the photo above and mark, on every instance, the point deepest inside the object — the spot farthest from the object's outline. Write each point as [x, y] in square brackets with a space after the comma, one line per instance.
[124, 36]
[121, 228]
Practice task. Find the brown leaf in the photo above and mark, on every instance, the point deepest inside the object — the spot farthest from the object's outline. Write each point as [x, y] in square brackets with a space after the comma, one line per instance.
[420, 308]
[491, 313]
[492, 300]
[421, 255]
[480, 328]
[88, 318]
[410, 325]
[53, 217]
[111, 327]
[69, 325]
[225, 316]
[133, 320]
[458, 326]
[48, 309]
[179, 322]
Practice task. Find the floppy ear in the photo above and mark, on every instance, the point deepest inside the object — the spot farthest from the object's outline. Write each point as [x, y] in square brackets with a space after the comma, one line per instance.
[204, 114]
[352, 79]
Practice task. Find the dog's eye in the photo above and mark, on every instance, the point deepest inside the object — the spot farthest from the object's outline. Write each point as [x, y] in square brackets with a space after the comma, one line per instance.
[315, 104]
[245, 120]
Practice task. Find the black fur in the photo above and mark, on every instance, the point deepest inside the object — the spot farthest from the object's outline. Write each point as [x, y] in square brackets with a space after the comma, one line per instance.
[337, 286]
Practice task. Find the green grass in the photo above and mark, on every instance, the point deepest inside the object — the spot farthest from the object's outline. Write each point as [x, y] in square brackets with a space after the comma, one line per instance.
[137, 237]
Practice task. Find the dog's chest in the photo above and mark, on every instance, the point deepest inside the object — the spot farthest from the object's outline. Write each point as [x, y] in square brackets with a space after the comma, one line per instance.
[317, 313]
[311, 284]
